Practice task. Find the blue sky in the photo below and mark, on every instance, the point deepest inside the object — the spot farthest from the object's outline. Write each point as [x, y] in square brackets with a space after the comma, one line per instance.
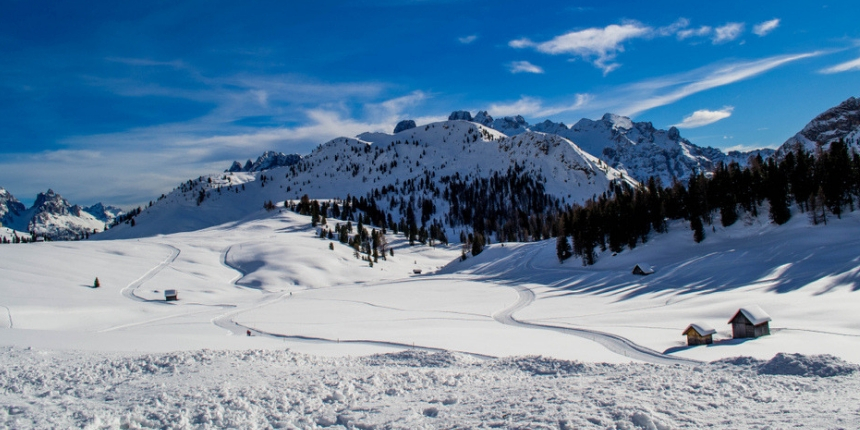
[121, 101]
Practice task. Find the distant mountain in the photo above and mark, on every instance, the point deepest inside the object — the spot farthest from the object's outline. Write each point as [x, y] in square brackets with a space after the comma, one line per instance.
[269, 160]
[53, 217]
[10, 207]
[840, 122]
[437, 170]
[635, 148]
[106, 214]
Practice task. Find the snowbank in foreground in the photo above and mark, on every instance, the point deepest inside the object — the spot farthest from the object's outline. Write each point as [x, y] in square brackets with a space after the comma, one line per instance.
[410, 389]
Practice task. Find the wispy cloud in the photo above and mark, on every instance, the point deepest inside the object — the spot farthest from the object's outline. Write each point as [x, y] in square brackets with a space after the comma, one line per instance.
[664, 91]
[524, 67]
[468, 39]
[674, 28]
[848, 66]
[536, 108]
[694, 32]
[728, 32]
[766, 27]
[704, 117]
[597, 45]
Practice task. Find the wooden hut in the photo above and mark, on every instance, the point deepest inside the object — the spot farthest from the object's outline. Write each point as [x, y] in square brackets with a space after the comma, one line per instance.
[699, 334]
[170, 295]
[642, 269]
[750, 322]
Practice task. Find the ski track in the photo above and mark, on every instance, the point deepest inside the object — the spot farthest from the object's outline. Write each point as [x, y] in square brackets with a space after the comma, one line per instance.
[128, 291]
[9, 315]
[617, 344]
[614, 343]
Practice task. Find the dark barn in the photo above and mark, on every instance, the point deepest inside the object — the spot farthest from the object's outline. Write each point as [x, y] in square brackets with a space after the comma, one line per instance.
[750, 322]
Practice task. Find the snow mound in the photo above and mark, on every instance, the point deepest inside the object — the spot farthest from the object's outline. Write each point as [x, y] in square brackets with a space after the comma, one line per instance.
[824, 365]
[539, 365]
[412, 358]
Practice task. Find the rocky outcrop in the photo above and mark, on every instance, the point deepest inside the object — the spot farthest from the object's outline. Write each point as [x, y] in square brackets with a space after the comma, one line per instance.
[404, 125]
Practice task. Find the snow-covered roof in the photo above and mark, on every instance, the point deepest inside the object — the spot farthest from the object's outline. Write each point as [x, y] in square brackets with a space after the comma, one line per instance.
[755, 314]
[701, 328]
[645, 267]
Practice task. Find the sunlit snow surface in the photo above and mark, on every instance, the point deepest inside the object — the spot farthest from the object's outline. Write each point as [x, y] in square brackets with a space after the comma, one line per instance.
[119, 355]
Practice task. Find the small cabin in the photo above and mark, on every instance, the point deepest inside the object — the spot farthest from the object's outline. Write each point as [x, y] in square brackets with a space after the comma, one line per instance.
[699, 334]
[170, 295]
[750, 322]
[643, 269]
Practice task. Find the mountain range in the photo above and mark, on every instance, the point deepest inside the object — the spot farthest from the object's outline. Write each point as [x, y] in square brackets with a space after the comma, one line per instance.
[53, 217]
[419, 162]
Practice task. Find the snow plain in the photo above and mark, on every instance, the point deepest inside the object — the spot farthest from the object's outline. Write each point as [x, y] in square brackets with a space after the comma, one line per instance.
[339, 343]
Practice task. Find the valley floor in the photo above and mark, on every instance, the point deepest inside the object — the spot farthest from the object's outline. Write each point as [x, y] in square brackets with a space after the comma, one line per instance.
[119, 355]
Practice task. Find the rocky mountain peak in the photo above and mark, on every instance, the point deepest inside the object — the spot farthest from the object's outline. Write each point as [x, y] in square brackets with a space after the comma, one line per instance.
[840, 122]
[406, 124]
[269, 160]
[52, 203]
[460, 115]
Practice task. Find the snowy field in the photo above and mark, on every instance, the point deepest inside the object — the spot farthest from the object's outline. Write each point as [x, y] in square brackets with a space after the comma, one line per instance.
[329, 332]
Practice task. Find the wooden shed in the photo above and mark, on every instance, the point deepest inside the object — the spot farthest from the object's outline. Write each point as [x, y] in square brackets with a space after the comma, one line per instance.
[170, 295]
[750, 322]
[643, 269]
[699, 334]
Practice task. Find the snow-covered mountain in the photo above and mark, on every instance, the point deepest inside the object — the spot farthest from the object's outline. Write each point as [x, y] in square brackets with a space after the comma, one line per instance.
[53, 217]
[402, 168]
[269, 160]
[10, 207]
[106, 214]
[840, 122]
[635, 148]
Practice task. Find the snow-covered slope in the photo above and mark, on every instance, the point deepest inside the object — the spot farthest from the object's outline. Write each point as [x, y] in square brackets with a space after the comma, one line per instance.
[530, 332]
[414, 163]
[840, 122]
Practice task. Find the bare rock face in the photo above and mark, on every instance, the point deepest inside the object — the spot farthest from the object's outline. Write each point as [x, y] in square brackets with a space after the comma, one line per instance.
[406, 124]
[269, 160]
[460, 115]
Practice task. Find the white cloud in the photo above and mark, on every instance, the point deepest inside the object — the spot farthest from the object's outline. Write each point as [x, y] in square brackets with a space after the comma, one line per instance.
[533, 107]
[674, 28]
[598, 45]
[704, 117]
[524, 67]
[664, 91]
[695, 32]
[848, 66]
[468, 39]
[527, 106]
[728, 32]
[766, 27]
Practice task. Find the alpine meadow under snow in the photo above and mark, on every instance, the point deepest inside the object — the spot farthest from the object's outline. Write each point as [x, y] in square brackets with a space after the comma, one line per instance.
[281, 324]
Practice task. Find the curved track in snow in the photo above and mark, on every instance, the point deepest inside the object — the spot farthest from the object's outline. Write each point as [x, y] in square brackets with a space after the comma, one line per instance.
[614, 343]
[226, 322]
[128, 291]
[9, 315]
[617, 344]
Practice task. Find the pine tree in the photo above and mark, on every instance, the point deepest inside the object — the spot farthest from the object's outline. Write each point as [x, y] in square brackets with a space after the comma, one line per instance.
[97, 284]
[698, 229]
[562, 248]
